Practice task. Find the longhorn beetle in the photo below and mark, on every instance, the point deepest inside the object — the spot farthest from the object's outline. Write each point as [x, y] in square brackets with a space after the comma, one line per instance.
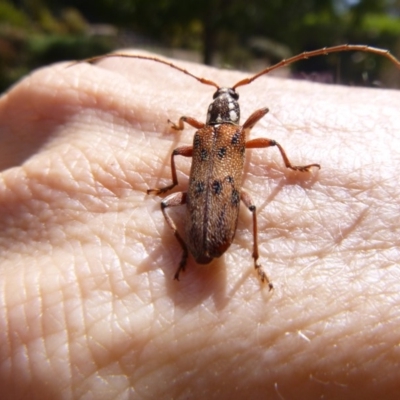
[218, 151]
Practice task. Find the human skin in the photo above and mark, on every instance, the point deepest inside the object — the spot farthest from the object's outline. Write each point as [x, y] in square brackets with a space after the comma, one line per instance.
[89, 308]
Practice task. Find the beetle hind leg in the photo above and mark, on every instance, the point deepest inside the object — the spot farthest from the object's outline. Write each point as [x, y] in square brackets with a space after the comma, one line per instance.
[182, 264]
[261, 274]
[260, 271]
[176, 199]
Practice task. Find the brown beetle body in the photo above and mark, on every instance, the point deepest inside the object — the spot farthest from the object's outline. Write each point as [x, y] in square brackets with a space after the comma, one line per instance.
[214, 190]
[215, 182]
[218, 151]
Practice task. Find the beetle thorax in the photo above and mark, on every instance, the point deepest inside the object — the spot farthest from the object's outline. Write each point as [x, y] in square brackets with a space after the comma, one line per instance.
[225, 108]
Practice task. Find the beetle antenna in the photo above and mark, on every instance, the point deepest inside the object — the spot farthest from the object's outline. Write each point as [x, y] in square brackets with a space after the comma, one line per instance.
[320, 52]
[159, 60]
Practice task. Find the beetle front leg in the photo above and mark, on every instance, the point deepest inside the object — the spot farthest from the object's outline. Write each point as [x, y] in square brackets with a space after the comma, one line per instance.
[191, 121]
[250, 205]
[176, 199]
[185, 151]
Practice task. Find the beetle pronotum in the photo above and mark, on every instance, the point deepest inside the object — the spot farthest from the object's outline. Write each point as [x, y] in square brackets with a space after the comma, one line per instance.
[218, 151]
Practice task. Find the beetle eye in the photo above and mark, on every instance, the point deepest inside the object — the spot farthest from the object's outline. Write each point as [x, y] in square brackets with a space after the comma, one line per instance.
[233, 94]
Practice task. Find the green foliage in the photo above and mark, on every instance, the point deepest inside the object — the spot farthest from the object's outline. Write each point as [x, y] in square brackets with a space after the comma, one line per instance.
[381, 24]
[227, 32]
[38, 37]
[46, 49]
[11, 16]
[74, 21]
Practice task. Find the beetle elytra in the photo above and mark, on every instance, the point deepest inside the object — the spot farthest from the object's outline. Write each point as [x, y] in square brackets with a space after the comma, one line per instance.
[218, 154]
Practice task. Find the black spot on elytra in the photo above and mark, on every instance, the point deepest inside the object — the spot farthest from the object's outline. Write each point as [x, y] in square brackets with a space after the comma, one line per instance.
[204, 155]
[221, 153]
[230, 179]
[196, 141]
[199, 187]
[236, 138]
[216, 187]
[235, 197]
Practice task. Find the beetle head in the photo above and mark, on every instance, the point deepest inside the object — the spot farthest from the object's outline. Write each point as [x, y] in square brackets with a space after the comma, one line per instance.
[225, 108]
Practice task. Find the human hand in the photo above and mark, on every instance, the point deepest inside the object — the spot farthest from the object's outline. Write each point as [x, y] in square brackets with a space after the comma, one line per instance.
[89, 307]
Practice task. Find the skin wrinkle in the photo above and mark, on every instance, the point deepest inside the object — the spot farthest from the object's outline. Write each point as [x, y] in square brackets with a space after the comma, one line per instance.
[69, 363]
[76, 375]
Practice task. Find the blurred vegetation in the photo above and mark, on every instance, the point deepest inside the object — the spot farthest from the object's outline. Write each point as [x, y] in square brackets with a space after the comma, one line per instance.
[245, 34]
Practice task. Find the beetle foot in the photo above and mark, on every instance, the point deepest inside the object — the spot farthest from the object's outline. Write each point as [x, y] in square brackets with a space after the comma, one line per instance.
[263, 276]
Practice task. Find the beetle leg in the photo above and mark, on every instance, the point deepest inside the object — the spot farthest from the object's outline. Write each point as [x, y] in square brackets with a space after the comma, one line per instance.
[250, 205]
[191, 121]
[264, 142]
[185, 151]
[173, 200]
[253, 119]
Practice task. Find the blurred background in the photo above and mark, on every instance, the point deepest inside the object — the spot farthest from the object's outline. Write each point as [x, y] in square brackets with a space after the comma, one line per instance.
[240, 34]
